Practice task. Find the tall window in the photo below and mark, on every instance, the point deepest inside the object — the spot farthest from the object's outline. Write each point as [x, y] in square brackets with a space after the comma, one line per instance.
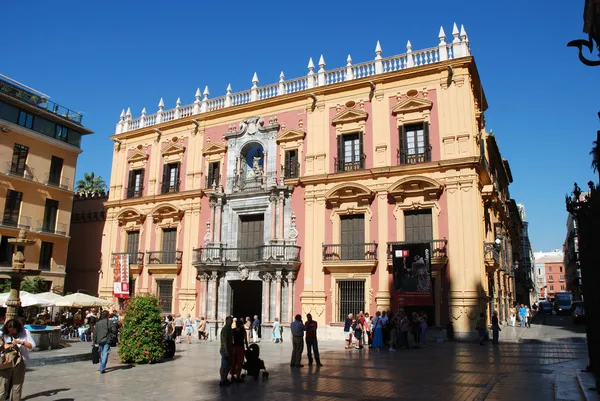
[133, 246]
[170, 181]
[350, 152]
[56, 165]
[165, 295]
[562, 287]
[350, 298]
[214, 172]
[12, 207]
[414, 144]
[291, 168]
[6, 251]
[50, 213]
[46, 255]
[61, 133]
[169, 246]
[561, 269]
[135, 187]
[552, 288]
[19, 159]
[549, 269]
[25, 119]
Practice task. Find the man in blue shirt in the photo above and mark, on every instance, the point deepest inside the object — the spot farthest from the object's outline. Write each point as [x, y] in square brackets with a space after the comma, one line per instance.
[297, 329]
[523, 315]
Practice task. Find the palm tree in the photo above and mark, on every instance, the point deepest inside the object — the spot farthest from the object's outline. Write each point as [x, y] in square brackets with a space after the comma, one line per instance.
[91, 185]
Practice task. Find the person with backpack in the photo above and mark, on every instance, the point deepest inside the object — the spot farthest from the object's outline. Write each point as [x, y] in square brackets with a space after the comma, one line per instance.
[104, 335]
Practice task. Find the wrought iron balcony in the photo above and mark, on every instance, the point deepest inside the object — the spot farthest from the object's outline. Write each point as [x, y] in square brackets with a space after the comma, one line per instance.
[291, 170]
[438, 248]
[264, 253]
[135, 258]
[421, 154]
[13, 220]
[49, 227]
[168, 187]
[135, 192]
[366, 251]
[354, 165]
[16, 170]
[164, 257]
[58, 181]
[491, 254]
[212, 181]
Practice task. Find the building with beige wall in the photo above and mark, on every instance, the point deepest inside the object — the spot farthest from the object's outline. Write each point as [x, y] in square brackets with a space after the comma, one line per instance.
[291, 197]
[39, 145]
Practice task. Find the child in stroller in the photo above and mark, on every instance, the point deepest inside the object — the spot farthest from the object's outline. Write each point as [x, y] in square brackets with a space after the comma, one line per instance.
[254, 364]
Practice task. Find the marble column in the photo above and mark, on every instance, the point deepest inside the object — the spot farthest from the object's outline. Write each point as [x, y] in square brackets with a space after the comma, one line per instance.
[281, 216]
[265, 164]
[278, 278]
[204, 296]
[273, 199]
[267, 298]
[218, 217]
[290, 306]
[214, 276]
[213, 207]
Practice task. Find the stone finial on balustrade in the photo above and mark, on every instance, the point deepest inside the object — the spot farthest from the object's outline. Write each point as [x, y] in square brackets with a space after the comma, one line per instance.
[465, 41]
[281, 87]
[128, 114]
[378, 59]
[311, 73]
[455, 34]
[159, 113]
[121, 123]
[143, 118]
[254, 89]
[228, 97]
[443, 50]
[410, 61]
[321, 73]
[349, 73]
[197, 102]
[204, 105]
[178, 108]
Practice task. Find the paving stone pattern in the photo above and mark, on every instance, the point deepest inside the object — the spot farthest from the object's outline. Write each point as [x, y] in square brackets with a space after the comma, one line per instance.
[441, 371]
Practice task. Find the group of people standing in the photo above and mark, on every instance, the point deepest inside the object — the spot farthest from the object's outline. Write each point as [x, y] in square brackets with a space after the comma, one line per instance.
[385, 330]
[524, 314]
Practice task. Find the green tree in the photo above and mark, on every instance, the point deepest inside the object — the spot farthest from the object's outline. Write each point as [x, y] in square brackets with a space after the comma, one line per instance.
[91, 185]
[142, 334]
[5, 285]
[36, 285]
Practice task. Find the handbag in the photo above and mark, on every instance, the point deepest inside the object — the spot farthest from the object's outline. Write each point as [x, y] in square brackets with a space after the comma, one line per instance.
[10, 357]
[95, 355]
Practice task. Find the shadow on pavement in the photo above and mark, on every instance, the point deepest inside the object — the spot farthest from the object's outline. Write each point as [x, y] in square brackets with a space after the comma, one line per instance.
[48, 393]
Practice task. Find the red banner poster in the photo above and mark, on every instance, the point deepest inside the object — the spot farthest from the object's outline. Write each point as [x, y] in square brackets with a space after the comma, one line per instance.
[121, 276]
[411, 265]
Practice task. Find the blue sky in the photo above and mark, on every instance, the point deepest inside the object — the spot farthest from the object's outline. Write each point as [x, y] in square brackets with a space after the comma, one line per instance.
[101, 57]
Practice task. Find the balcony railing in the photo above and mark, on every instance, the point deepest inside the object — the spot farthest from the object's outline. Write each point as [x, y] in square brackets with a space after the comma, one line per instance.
[422, 154]
[135, 258]
[212, 181]
[291, 171]
[10, 220]
[58, 181]
[491, 253]
[354, 165]
[13, 89]
[438, 248]
[257, 183]
[44, 226]
[19, 171]
[333, 252]
[133, 192]
[168, 187]
[164, 257]
[264, 253]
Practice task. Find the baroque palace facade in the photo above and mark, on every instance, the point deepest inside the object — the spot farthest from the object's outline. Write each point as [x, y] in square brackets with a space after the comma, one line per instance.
[289, 198]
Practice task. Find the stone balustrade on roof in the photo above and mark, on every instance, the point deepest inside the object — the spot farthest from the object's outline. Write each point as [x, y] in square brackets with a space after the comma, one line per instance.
[459, 47]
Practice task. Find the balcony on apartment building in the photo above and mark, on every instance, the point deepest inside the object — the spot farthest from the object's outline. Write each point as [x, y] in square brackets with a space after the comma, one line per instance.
[360, 256]
[256, 183]
[12, 220]
[491, 255]
[25, 172]
[420, 154]
[438, 247]
[136, 261]
[350, 164]
[135, 192]
[290, 171]
[264, 254]
[19, 170]
[51, 227]
[164, 262]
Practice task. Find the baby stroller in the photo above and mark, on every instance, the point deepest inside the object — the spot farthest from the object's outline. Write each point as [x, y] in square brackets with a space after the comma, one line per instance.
[254, 364]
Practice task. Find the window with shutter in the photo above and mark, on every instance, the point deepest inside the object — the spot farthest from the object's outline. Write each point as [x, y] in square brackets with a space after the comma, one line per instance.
[135, 186]
[214, 172]
[414, 144]
[170, 181]
[291, 165]
[19, 159]
[350, 152]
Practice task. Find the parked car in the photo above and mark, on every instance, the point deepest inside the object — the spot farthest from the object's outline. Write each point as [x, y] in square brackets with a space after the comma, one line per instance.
[545, 307]
[578, 312]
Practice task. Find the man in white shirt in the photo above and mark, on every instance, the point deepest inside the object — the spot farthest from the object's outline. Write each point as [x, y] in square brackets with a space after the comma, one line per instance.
[297, 328]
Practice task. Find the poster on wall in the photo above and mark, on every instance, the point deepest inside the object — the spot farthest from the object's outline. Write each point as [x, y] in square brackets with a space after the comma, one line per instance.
[121, 276]
[411, 265]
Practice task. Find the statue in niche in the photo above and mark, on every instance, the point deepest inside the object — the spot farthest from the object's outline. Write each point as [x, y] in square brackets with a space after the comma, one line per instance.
[255, 170]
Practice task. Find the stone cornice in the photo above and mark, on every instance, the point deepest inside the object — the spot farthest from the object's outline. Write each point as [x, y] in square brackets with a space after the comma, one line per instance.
[144, 200]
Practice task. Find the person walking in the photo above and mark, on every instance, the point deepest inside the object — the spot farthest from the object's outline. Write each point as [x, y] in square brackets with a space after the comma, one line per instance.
[240, 344]
[178, 328]
[312, 345]
[358, 331]
[189, 328]
[226, 351]
[495, 328]
[104, 333]
[297, 329]
[276, 331]
[528, 317]
[481, 328]
[256, 329]
[348, 332]
[513, 316]
[367, 326]
[12, 379]
[202, 334]
[523, 316]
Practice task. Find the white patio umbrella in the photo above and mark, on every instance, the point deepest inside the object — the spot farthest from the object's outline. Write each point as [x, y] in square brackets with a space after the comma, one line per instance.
[80, 300]
[27, 299]
[49, 296]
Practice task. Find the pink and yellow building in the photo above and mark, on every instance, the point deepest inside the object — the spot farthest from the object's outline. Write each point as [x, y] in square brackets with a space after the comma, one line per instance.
[288, 198]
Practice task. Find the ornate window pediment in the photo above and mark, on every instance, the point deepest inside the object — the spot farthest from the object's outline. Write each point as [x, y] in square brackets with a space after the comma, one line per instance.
[416, 186]
[412, 104]
[349, 116]
[290, 134]
[214, 149]
[137, 156]
[173, 148]
[166, 215]
[349, 192]
[130, 218]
